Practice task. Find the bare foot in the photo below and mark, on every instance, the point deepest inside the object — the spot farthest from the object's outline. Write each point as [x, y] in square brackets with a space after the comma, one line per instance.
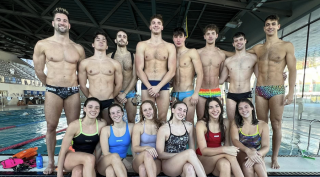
[274, 164]
[50, 168]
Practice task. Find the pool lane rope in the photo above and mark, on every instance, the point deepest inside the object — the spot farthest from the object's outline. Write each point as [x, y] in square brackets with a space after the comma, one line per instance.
[28, 141]
[20, 125]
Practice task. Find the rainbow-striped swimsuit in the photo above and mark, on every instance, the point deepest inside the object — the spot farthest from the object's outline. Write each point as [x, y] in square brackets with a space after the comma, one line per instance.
[209, 93]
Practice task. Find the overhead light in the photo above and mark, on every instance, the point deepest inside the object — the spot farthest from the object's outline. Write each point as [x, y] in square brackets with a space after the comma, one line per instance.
[234, 24]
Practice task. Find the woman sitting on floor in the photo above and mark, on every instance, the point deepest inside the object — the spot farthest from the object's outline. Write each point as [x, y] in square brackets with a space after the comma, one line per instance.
[251, 136]
[172, 140]
[144, 137]
[211, 131]
[85, 136]
[115, 141]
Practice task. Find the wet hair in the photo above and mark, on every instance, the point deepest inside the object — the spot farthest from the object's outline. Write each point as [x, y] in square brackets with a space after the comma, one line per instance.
[122, 31]
[158, 16]
[60, 10]
[272, 18]
[111, 106]
[179, 31]
[239, 34]
[211, 27]
[206, 117]
[99, 33]
[85, 104]
[238, 118]
[155, 115]
[175, 105]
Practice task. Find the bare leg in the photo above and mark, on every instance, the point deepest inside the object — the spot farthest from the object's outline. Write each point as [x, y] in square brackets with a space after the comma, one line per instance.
[145, 96]
[231, 109]
[72, 107]
[53, 108]
[191, 110]
[200, 107]
[248, 172]
[105, 116]
[142, 170]
[276, 111]
[262, 107]
[178, 161]
[131, 111]
[77, 171]
[114, 161]
[163, 102]
[75, 159]
[188, 171]
[153, 167]
[260, 170]
[110, 172]
[222, 168]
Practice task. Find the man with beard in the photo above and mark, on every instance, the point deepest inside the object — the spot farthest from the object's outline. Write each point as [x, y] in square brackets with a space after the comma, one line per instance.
[212, 62]
[155, 66]
[61, 56]
[188, 64]
[126, 60]
[239, 67]
[103, 73]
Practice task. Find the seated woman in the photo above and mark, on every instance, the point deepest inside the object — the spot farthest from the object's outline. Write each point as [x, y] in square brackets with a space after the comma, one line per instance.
[144, 137]
[251, 136]
[211, 131]
[172, 140]
[85, 136]
[115, 140]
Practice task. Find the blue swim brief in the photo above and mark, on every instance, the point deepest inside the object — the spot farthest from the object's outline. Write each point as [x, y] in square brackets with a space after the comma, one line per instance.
[182, 95]
[131, 94]
[155, 83]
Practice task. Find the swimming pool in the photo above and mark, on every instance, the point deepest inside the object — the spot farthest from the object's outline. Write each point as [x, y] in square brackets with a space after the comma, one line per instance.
[32, 124]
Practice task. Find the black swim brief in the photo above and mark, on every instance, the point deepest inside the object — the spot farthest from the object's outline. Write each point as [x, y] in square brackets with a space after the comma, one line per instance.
[62, 92]
[238, 96]
[105, 104]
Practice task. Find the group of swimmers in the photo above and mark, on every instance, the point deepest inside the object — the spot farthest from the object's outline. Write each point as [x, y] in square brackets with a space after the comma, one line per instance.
[159, 65]
[168, 147]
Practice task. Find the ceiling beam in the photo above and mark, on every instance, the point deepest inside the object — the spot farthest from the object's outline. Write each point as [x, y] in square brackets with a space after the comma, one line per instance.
[194, 27]
[111, 12]
[154, 9]
[35, 3]
[139, 13]
[279, 1]
[14, 37]
[134, 19]
[83, 33]
[85, 10]
[55, 2]
[24, 25]
[172, 17]
[243, 6]
[30, 5]
[14, 24]
[256, 17]
[39, 29]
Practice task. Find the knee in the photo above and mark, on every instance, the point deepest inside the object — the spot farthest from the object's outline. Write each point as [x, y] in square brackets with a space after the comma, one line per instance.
[115, 158]
[90, 159]
[276, 125]
[147, 155]
[77, 172]
[191, 153]
[142, 169]
[51, 127]
[224, 164]
[188, 169]
[109, 171]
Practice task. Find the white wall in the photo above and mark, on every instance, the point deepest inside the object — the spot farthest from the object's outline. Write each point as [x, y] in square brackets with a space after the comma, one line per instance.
[15, 88]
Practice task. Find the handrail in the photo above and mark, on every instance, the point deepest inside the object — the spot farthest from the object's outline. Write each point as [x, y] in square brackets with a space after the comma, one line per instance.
[310, 125]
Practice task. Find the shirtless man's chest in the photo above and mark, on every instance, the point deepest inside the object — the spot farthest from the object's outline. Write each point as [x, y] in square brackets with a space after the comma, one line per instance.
[211, 63]
[61, 63]
[271, 62]
[127, 67]
[156, 61]
[183, 80]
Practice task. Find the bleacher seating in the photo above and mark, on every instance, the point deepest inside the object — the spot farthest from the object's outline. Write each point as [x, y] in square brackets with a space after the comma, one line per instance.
[20, 72]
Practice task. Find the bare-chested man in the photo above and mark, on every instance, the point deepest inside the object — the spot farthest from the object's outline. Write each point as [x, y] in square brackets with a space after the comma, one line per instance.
[239, 68]
[61, 56]
[103, 73]
[212, 62]
[273, 56]
[188, 64]
[126, 60]
[155, 66]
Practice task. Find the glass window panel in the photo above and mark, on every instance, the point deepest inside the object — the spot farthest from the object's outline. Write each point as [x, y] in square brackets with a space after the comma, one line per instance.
[280, 33]
[297, 24]
[315, 15]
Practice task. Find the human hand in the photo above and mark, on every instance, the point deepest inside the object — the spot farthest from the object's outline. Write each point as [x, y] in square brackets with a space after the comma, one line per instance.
[152, 152]
[288, 99]
[231, 150]
[194, 99]
[122, 98]
[254, 156]
[284, 76]
[154, 91]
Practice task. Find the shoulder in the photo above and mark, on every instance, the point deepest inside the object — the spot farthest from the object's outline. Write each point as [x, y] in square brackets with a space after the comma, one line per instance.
[169, 45]
[199, 50]
[77, 46]
[105, 129]
[102, 123]
[114, 62]
[252, 56]
[228, 60]
[193, 52]
[138, 125]
[287, 44]
[164, 128]
[201, 125]
[74, 125]
[109, 54]
[188, 125]
[256, 47]
[142, 44]
[85, 61]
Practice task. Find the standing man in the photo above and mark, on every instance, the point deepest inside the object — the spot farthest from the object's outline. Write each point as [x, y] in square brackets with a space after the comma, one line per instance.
[239, 68]
[155, 65]
[103, 73]
[212, 62]
[61, 56]
[273, 56]
[126, 59]
[188, 64]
